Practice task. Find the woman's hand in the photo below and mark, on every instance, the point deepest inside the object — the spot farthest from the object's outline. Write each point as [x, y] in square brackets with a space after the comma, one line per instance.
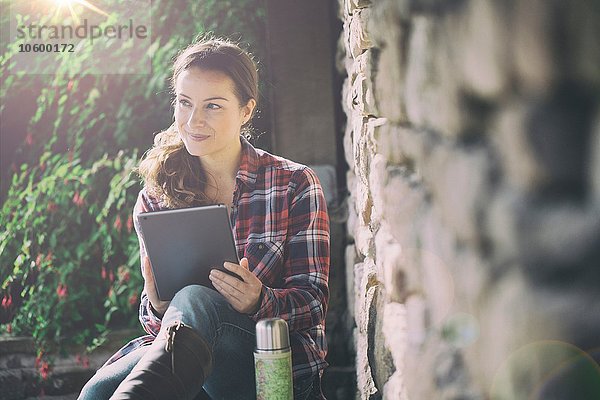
[243, 295]
[159, 306]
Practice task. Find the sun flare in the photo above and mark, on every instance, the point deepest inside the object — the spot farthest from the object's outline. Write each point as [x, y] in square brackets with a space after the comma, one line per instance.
[61, 4]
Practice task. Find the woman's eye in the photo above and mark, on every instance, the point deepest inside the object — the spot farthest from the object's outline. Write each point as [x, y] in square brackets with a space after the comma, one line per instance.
[213, 106]
[184, 102]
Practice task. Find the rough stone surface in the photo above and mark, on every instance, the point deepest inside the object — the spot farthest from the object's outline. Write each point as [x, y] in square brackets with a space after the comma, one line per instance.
[20, 378]
[473, 141]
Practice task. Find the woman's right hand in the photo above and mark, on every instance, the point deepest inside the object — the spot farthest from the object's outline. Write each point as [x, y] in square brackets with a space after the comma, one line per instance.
[158, 305]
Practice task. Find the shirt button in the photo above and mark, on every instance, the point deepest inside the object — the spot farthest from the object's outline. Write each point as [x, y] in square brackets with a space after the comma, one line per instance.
[261, 246]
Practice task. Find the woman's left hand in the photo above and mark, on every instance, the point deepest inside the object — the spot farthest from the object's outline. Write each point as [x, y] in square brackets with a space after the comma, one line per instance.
[243, 295]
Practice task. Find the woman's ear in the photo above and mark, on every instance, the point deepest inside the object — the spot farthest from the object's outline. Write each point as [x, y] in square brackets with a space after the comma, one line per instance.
[247, 110]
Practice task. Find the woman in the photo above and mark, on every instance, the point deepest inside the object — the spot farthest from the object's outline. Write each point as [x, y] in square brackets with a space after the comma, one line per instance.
[281, 232]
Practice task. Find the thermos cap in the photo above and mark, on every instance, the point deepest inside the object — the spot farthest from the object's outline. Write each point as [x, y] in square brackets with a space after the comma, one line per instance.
[272, 334]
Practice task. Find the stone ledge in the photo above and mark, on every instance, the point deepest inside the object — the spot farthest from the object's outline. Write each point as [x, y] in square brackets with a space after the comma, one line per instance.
[20, 379]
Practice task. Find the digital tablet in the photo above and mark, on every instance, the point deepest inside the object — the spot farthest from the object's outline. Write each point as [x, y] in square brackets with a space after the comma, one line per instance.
[185, 244]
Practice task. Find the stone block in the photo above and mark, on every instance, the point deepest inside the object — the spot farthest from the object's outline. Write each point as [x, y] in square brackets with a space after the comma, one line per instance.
[438, 286]
[364, 204]
[382, 363]
[359, 38]
[403, 146]
[363, 101]
[389, 142]
[361, 148]
[390, 81]
[394, 387]
[387, 18]
[459, 182]
[363, 239]
[352, 6]
[431, 92]
[519, 165]
[365, 291]
[377, 184]
[436, 258]
[395, 331]
[509, 318]
[416, 320]
[484, 39]
[558, 242]
[535, 62]
[558, 130]
[364, 376]
[390, 265]
[501, 225]
[402, 203]
[349, 147]
[583, 32]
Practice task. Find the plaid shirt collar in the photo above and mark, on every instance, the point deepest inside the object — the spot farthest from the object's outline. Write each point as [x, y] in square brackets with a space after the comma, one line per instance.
[248, 165]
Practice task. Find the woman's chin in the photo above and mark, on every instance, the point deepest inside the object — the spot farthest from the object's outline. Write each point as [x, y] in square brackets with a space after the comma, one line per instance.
[194, 151]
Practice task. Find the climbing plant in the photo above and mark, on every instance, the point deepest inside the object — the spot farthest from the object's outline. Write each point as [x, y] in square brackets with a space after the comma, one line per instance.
[69, 259]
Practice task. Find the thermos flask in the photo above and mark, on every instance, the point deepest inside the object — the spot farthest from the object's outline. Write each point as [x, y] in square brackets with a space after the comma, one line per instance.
[273, 360]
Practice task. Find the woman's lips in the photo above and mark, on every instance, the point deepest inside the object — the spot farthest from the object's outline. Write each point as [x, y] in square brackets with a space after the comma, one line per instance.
[198, 138]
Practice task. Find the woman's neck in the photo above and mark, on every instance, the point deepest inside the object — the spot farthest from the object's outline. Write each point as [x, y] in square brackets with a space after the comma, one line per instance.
[223, 166]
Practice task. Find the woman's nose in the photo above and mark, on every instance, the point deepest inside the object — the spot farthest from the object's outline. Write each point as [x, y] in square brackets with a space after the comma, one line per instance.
[197, 118]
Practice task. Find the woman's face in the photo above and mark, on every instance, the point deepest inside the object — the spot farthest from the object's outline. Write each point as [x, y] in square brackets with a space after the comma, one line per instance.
[208, 114]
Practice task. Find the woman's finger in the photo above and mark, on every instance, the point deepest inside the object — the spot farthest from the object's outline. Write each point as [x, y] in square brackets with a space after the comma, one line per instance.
[233, 300]
[243, 273]
[148, 270]
[231, 284]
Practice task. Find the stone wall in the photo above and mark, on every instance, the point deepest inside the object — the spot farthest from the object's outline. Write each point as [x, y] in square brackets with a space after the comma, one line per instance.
[473, 140]
[20, 372]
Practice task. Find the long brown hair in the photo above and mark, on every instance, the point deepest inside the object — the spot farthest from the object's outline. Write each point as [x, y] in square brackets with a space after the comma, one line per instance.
[169, 172]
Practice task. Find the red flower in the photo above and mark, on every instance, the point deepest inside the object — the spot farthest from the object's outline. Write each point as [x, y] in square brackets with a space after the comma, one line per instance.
[78, 358]
[129, 224]
[118, 224]
[123, 273]
[86, 362]
[49, 256]
[103, 272]
[44, 370]
[38, 359]
[61, 291]
[69, 86]
[29, 139]
[78, 200]
[8, 328]
[38, 260]
[7, 301]
[133, 299]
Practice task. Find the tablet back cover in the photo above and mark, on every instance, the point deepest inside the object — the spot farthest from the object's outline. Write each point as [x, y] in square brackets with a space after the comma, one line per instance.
[185, 244]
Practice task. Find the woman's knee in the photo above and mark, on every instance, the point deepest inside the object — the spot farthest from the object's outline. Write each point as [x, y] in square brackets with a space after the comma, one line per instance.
[199, 300]
[196, 294]
[99, 387]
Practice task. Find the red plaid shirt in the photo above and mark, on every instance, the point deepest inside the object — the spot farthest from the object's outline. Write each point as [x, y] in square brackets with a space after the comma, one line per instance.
[281, 225]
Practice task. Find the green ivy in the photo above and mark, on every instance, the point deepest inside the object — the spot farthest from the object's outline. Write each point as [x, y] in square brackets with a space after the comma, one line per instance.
[69, 260]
